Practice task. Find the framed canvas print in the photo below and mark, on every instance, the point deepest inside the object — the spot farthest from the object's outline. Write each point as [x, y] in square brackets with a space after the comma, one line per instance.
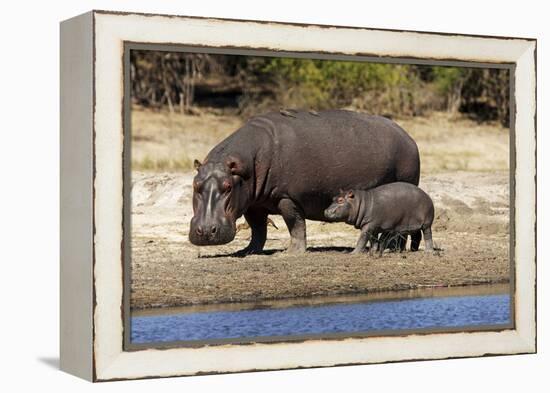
[245, 195]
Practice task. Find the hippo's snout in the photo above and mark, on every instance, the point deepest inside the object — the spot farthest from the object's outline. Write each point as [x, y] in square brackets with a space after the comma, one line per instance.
[206, 230]
[330, 213]
[211, 234]
[337, 212]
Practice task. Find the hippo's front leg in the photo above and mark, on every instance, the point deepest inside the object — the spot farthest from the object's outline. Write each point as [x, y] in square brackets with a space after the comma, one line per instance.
[257, 219]
[361, 242]
[296, 222]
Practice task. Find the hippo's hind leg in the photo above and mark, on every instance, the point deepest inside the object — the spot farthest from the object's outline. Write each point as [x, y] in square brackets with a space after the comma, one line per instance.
[428, 238]
[296, 222]
[257, 219]
[416, 237]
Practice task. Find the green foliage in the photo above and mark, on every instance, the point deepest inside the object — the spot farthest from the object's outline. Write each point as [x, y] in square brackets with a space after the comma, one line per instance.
[446, 79]
[324, 84]
[259, 84]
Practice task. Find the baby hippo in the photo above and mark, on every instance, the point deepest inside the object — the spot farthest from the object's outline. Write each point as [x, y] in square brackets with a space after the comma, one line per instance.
[390, 209]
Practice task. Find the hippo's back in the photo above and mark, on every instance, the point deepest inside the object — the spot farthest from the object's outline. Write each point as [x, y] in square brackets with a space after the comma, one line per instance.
[312, 155]
[318, 154]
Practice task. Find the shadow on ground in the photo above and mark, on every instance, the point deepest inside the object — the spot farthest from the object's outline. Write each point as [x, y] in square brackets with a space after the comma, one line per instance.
[280, 251]
[52, 362]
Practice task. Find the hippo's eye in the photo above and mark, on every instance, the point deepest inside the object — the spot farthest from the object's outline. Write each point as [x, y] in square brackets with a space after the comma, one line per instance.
[340, 200]
[196, 186]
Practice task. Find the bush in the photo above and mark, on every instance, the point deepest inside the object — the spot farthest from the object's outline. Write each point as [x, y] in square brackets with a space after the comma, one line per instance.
[256, 84]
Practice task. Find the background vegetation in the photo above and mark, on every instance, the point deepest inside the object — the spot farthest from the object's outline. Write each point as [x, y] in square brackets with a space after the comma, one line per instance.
[246, 85]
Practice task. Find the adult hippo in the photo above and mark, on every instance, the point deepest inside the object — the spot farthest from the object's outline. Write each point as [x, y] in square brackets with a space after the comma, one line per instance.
[293, 163]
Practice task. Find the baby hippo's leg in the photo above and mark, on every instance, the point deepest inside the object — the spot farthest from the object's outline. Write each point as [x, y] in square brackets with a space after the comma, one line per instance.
[379, 243]
[361, 242]
[375, 244]
[382, 241]
[428, 239]
[402, 242]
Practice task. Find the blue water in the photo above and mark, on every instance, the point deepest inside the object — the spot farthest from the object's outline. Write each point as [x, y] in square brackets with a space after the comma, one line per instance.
[438, 312]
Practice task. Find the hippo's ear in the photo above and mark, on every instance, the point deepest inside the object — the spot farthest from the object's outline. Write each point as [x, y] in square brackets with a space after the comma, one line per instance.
[197, 164]
[237, 166]
[350, 194]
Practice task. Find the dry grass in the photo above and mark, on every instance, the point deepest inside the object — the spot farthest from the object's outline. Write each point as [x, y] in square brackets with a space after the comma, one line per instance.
[162, 141]
[448, 143]
[170, 142]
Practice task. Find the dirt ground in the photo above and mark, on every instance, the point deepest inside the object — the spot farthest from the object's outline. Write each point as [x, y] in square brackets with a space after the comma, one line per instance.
[464, 171]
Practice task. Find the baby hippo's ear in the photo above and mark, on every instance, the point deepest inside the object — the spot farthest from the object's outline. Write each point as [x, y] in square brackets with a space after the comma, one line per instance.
[197, 164]
[350, 194]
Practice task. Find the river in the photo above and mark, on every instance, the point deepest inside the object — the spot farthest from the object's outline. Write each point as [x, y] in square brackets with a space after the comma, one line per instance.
[402, 311]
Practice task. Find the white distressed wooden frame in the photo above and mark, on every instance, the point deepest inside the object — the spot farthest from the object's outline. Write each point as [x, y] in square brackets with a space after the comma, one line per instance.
[92, 195]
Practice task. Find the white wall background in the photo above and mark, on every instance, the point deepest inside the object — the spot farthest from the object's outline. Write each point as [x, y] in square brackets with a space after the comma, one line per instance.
[29, 205]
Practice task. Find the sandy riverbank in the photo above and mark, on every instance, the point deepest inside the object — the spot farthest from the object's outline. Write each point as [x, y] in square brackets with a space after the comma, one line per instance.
[471, 227]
